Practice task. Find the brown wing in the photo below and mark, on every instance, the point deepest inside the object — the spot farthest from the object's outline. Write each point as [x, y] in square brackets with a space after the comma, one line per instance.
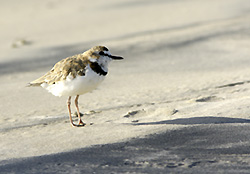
[76, 65]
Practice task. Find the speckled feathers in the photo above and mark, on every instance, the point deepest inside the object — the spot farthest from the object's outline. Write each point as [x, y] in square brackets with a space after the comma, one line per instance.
[74, 65]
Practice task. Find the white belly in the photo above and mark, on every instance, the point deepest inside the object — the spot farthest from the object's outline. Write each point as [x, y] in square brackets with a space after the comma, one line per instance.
[77, 86]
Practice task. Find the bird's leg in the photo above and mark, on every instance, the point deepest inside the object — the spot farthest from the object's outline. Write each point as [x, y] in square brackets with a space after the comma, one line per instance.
[70, 118]
[80, 123]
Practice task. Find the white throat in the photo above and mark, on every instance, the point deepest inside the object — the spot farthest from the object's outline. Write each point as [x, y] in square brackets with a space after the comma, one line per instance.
[103, 61]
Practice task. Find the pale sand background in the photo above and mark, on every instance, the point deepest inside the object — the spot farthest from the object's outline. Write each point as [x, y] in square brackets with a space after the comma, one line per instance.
[179, 102]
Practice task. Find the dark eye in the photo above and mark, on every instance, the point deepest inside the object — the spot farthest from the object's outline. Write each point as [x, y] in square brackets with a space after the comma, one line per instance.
[101, 53]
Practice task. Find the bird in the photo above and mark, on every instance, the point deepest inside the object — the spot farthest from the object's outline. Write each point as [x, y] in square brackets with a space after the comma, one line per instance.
[77, 75]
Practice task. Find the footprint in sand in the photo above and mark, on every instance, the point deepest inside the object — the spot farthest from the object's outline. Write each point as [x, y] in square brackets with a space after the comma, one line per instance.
[161, 111]
[132, 113]
[208, 99]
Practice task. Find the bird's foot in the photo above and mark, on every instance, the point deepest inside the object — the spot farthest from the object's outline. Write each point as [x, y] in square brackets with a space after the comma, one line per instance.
[80, 124]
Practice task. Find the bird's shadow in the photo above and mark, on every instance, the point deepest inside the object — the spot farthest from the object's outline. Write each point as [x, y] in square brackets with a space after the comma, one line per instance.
[197, 120]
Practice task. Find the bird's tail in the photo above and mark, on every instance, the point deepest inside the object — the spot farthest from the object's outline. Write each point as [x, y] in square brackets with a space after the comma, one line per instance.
[31, 84]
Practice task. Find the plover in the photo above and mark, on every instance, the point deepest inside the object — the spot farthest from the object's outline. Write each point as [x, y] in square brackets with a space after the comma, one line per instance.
[77, 75]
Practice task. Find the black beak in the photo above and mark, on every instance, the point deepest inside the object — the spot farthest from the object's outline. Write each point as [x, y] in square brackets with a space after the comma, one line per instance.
[116, 57]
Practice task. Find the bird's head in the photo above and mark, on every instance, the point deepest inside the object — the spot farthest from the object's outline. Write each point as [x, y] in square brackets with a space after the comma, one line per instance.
[101, 54]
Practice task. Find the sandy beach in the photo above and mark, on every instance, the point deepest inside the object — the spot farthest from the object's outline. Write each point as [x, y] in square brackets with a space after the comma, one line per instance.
[178, 103]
